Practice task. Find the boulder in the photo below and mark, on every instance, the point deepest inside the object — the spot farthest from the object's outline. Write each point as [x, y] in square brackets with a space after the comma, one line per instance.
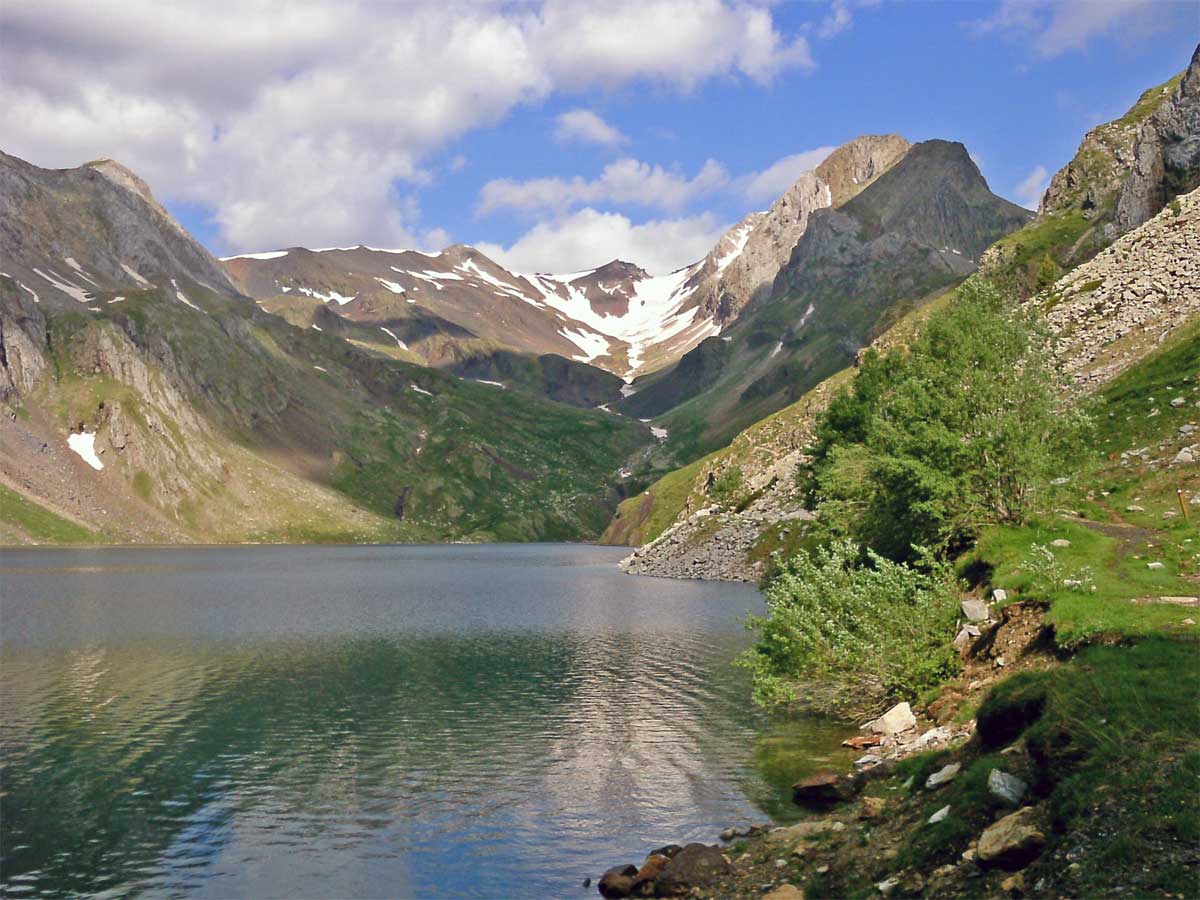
[975, 610]
[871, 808]
[785, 892]
[617, 881]
[1186, 456]
[1012, 842]
[943, 775]
[649, 871]
[1060, 542]
[822, 790]
[939, 815]
[1000, 595]
[693, 866]
[1008, 788]
[898, 719]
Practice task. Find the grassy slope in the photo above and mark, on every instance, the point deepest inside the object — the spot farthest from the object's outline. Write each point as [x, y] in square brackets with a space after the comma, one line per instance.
[298, 406]
[23, 521]
[1115, 754]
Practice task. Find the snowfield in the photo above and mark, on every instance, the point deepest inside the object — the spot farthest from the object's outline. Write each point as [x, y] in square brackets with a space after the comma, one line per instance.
[84, 444]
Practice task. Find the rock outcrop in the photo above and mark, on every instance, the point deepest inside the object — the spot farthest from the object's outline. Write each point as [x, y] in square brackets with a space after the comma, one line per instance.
[1166, 156]
[1117, 307]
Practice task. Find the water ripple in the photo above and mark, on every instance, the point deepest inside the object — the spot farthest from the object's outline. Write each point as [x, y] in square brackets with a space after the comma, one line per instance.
[289, 722]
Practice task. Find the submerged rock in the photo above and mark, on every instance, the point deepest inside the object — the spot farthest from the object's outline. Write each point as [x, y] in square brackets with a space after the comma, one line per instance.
[822, 790]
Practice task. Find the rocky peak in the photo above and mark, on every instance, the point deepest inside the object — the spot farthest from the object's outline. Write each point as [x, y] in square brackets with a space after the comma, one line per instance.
[854, 165]
[747, 259]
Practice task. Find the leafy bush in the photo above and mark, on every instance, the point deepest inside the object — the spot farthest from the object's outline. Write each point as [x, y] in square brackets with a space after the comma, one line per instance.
[847, 633]
[962, 429]
[727, 486]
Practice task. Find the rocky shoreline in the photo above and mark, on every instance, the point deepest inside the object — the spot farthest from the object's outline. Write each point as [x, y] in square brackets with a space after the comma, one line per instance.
[858, 821]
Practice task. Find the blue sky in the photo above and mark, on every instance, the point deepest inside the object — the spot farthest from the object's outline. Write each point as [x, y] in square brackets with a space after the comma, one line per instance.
[557, 135]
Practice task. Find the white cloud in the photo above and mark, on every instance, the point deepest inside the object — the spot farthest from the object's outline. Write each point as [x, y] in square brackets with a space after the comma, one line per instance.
[1054, 27]
[583, 125]
[678, 42]
[588, 238]
[836, 21]
[1029, 191]
[296, 121]
[625, 181]
[774, 180]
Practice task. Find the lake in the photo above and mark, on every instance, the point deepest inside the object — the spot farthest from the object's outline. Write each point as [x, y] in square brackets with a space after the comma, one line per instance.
[404, 721]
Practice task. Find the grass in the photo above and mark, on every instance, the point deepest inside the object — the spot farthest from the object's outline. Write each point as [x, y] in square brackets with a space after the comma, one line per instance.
[1118, 743]
[40, 524]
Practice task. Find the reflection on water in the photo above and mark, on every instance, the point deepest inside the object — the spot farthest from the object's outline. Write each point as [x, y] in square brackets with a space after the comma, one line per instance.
[466, 722]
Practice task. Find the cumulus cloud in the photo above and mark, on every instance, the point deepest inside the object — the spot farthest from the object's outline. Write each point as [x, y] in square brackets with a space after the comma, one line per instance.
[588, 238]
[771, 182]
[308, 122]
[1029, 192]
[1054, 27]
[626, 181]
[584, 126]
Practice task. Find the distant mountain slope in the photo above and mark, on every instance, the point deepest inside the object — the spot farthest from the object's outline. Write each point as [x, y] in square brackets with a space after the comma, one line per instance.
[914, 231]
[452, 307]
[455, 309]
[146, 399]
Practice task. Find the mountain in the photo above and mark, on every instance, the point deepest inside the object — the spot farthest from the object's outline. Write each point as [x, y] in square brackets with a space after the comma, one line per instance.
[146, 399]
[460, 311]
[452, 309]
[1135, 293]
[745, 262]
[914, 230]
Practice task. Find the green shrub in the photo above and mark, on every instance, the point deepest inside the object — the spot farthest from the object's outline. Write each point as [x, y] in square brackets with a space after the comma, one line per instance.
[848, 634]
[727, 487]
[962, 429]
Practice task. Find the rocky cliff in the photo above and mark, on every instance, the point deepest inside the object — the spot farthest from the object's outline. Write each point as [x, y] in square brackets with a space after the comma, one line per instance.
[1166, 156]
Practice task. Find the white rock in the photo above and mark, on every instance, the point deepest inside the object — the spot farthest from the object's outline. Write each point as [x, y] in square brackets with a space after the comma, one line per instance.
[1008, 788]
[943, 775]
[939, 815]
[897, 719]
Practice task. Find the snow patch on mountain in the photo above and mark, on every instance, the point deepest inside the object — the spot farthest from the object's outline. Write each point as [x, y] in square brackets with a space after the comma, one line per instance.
[84, 445]
[738, 239]
[72, 290]
[389, 333]
[391, 286]
[332, 296]
[271, 254]
[591, 343]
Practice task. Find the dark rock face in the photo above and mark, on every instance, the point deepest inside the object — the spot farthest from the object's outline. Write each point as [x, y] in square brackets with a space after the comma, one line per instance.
[693, 866]
[1166, 155]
